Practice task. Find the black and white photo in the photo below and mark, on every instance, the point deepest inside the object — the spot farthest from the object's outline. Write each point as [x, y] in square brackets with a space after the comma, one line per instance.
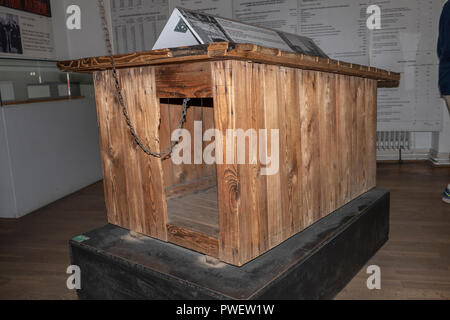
[10, 38]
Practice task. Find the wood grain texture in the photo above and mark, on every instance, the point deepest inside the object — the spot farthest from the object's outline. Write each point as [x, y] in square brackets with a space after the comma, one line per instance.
[165, 132]
[291, 166]
[352, 110]
[193, 240]
[325, 123]
[203, 183]
[195, 211]
[324, 151]
[191, 80]
[177, 176]
[258, 182]
[329, 165]
[235, 51]
[360, 147]
[228, 180]
[273, 95]
[371, 132]
[110, 148]
[134, 185]
[344, 134]
[310, 148]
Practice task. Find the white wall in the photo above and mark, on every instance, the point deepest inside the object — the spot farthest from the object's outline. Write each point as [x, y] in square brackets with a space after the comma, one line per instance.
[440, 142]
[7, 200]
[53, 150]
[59, 30]
[89, 41]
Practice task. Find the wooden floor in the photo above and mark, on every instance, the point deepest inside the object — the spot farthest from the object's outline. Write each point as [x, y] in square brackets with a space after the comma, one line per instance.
[197, 212]
[415, 262]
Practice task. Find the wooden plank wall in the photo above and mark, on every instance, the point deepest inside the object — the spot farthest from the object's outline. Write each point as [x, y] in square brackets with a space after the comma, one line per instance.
[183, 80]
[133, 181]
[186, 178]
[327, 127]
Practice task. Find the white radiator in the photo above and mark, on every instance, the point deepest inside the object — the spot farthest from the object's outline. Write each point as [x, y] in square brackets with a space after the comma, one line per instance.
[393, 140]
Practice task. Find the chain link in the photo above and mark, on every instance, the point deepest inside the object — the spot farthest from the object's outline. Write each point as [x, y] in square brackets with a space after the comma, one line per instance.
[120, 96]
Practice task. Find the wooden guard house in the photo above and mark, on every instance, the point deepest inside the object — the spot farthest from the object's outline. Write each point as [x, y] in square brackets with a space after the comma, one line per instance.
[325, 111]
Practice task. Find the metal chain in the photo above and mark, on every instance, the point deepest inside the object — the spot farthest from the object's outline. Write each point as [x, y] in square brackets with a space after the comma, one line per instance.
[120, 97]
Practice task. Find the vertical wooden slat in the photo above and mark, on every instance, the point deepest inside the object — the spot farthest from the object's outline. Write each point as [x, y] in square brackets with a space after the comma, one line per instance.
[241, 86]
[228, 184]
[344, 127]
[272, 103]
[111, 149]
[136, 179]
[332, 138]
[352, 108]
[310, 148]
[290, 150]
[130, 157]
[285, 222]
[178, 171]
[208, 123]
[361, 140]
[197, 168]
[165, 133]
[258, 182]
[371, 135]
[105, 96]
[189, 172]
[322, 100]
[294, 127]
[328, 142]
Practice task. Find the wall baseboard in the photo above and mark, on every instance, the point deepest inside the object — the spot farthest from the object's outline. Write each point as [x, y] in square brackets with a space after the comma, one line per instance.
[435, 158]
[439, 159]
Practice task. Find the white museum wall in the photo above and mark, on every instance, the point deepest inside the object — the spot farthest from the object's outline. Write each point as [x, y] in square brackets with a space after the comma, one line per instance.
[420, 117]
[49, 150]
[7, 201]
[59, 30]
[88, 41]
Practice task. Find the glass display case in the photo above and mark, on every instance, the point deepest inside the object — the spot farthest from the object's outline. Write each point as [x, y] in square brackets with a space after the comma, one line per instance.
[27, 81]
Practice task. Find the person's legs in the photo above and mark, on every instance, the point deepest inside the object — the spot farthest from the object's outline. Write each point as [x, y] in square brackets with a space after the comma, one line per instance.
[446, 197]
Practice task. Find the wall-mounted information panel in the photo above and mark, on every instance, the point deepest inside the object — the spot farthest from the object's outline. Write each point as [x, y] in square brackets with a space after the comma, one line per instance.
[406, 43]
[26, 30]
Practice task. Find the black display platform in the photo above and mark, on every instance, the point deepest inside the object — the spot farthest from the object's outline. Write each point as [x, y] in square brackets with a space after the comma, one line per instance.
[314, 264]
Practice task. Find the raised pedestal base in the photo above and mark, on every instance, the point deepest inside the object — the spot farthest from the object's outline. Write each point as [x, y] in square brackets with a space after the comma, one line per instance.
[314, 264]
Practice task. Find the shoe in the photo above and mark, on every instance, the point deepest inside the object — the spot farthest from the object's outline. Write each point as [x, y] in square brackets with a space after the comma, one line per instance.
[446, 196]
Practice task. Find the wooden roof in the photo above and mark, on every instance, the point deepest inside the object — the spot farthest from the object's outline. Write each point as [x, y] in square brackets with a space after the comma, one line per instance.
[237, 51]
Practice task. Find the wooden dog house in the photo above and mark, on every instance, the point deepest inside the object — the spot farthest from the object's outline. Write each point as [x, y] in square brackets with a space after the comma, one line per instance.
[325, 111]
